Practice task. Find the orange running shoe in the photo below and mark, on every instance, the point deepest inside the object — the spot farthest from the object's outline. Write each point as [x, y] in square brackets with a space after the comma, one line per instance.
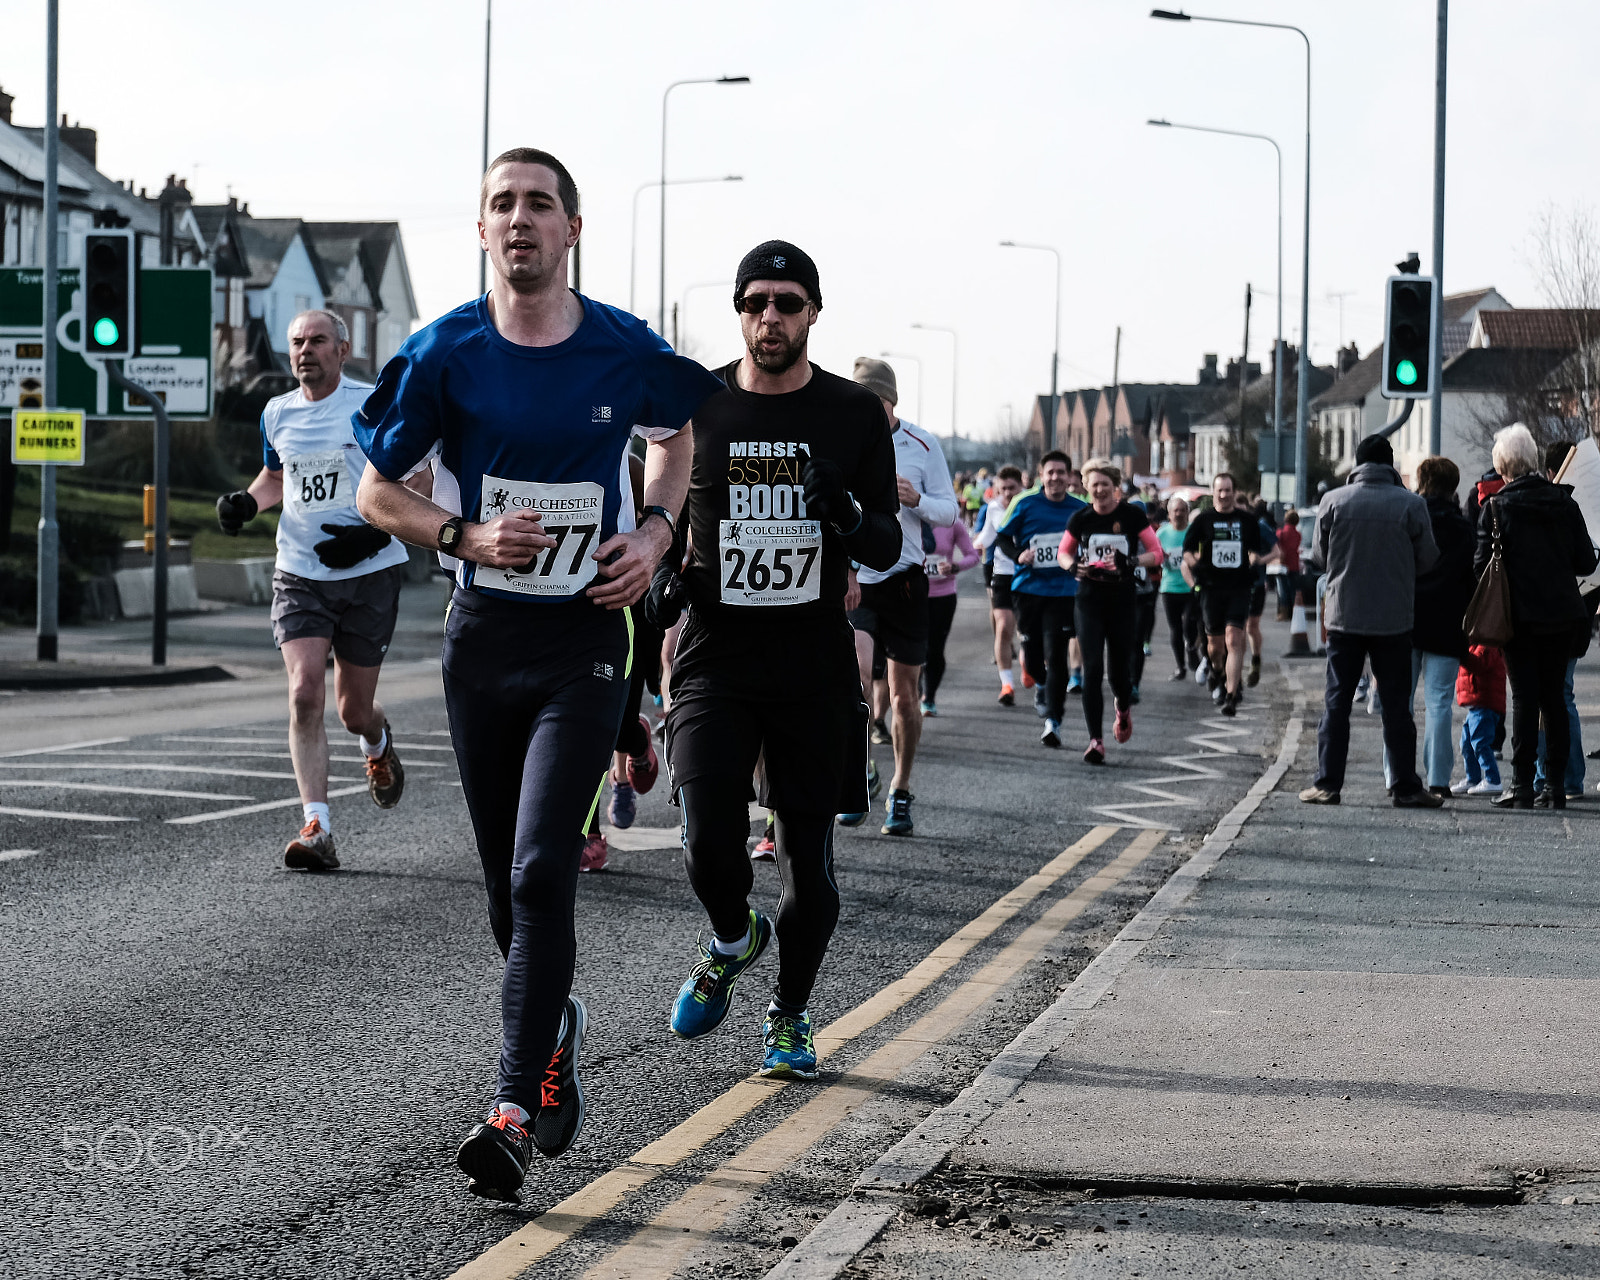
[1027, 681]
[1008, 696]
[312, 849]
[386, 780]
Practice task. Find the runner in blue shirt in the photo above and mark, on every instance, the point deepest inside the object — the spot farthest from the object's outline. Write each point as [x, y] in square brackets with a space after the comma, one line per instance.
[524, 402]
[1043, 592]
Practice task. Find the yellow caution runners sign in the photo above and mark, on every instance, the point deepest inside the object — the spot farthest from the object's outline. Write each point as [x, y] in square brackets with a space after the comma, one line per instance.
[47, 435]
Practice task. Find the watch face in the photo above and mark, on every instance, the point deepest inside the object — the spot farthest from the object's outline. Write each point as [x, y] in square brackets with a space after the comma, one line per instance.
[449, 536]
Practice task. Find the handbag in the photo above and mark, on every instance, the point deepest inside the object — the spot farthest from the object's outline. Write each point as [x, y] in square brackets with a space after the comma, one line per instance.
[1488, 616]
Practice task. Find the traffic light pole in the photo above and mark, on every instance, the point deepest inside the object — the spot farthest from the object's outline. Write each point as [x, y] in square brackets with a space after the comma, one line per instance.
[1436, 385]
[158, 607]
[47, 602]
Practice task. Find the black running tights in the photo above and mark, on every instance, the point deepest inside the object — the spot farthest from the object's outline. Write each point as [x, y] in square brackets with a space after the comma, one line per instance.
[1107, 625]
[941, 614]
[716, 829]
[1183, 627]
[1147, 628]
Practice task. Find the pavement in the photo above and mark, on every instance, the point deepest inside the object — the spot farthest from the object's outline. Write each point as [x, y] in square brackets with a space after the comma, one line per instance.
[1339, 1040]
[216, 1067]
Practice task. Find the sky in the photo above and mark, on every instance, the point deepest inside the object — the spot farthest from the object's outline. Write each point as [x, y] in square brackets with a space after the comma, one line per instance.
[897, 143]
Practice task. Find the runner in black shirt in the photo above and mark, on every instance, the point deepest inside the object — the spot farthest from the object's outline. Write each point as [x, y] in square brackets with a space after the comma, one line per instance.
[1102, 544]
[793, 477]
[1222, 549]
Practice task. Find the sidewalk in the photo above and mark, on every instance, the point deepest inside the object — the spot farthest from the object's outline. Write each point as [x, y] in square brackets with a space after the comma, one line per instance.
[1356, 1006]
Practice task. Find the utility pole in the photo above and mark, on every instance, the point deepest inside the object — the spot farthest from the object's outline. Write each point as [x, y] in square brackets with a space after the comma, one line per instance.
[1244, 367]
[1436, 387]
[47, 602]
[1116, 390]
[483, 258]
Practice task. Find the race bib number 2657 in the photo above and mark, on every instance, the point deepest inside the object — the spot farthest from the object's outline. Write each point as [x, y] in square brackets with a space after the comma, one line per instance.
[770, 562]
[569, 513]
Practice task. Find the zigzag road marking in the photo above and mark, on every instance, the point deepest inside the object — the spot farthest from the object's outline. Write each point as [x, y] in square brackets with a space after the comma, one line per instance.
[1216, 745]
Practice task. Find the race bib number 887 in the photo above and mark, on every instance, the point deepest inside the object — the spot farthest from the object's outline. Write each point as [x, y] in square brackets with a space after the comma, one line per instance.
[770, 562]
[569, 513]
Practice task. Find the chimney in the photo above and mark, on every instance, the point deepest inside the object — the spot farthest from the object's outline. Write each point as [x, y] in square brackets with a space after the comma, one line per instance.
[172, 196]
[6, 99]
[84, 141]
[1208, 375]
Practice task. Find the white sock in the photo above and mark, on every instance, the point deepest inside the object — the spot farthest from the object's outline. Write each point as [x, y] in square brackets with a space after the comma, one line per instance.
[372, 750]
[731, 948]
[513, 1112]
[1005, 676]
[318, 809]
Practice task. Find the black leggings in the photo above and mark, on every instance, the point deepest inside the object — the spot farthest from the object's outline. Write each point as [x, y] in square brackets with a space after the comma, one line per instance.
[1044, 626]
[1183, 627]
[1537, 667]
[716, 827]
[1107, 623]
[1147, 628]
[941, 613]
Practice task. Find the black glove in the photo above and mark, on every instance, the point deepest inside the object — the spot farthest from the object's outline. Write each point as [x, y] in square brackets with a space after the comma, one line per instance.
[349, 544]
[664, 602]
[235, 510]
[823, 483]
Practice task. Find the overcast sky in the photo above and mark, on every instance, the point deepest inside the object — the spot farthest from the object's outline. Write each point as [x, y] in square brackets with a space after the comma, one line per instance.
[896, 142]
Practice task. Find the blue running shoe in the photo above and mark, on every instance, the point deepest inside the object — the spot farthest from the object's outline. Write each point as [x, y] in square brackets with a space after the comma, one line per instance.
[874, 782]
[898, 819]
[707, 993]
[624, 807]
[790, 1051]
[1075, 681]
[1041, 702]
[852, 819]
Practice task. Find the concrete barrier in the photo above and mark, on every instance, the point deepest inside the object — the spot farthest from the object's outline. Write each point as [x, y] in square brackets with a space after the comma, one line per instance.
[247, 581]
[136, 591]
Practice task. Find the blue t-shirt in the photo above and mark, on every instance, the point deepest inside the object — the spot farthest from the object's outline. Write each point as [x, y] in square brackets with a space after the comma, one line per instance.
[1269, 540]
[1034, 521]
[540, 429]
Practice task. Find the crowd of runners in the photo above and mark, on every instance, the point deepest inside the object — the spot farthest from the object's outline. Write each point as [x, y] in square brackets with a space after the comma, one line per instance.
[623, 525]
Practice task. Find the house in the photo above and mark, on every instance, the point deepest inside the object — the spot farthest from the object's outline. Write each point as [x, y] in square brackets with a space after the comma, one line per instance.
[1350, 410]
[370, 287]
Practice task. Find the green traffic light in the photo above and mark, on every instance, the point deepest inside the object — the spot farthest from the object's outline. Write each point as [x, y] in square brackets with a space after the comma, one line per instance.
[106, 332]
[1405, 373]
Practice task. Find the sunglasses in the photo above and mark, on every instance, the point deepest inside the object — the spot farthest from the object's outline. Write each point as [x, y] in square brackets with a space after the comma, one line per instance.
[755, 304]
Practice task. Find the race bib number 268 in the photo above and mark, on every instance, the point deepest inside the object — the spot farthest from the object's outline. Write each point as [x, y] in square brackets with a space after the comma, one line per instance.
[770, 562]
[569, 513]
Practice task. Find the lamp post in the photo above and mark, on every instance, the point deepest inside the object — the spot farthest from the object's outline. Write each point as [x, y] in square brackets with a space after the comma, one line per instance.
[906, 355]
[1303, 384]
[1055, 351]
[483, 258]
[954, 362]
[1277, 351]
[661, 301]
[633, 250]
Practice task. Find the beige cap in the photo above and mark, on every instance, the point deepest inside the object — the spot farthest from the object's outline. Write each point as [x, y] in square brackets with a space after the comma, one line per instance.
[877, 376]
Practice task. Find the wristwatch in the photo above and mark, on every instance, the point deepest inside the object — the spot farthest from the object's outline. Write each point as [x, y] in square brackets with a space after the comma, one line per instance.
[666, 515]
[450, 535]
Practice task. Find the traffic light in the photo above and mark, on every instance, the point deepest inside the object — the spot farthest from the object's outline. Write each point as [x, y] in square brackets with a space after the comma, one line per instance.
[1408, 338]
[110, 271]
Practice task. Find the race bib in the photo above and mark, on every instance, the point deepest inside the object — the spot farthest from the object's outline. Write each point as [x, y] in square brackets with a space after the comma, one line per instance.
[1227, 555]
[1103, 546]
[770, 562]
[569, 513]
[933, 566]
[1174, 559]
[317, 482]
[1045, 546]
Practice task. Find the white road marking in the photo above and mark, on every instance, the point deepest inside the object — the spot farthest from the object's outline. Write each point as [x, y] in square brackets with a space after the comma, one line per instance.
[263, 742]
[1215, 747]
[244, 755]
[16, 855]
[121, 791]
[111, 767]
[71, 746]
[641, 839]
[62, 817]
[255, 808]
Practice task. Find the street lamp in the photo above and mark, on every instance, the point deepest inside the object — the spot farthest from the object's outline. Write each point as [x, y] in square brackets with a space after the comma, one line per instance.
[661, 313]
[483, 258]
[906, 355]
[1277, 359]
[633, 250]
[954, 362]
[1055, 354]
[1303, 385]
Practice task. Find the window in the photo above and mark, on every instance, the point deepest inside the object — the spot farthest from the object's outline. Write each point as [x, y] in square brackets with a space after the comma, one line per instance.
[302, 302]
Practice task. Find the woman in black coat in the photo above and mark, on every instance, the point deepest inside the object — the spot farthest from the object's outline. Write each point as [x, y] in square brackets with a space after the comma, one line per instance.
[1547, 549]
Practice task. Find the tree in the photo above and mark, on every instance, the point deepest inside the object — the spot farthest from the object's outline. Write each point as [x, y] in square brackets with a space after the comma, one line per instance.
[1565, 253]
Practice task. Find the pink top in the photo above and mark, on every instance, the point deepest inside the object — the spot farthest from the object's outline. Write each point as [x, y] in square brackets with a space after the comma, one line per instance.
[951, 545]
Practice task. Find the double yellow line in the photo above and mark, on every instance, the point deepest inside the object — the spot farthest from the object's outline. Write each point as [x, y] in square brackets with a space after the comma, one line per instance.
[657, 1247]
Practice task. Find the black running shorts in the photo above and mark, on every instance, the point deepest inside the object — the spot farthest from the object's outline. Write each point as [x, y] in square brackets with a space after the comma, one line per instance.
[1000, 592]
[1224, 607]
[894, 612]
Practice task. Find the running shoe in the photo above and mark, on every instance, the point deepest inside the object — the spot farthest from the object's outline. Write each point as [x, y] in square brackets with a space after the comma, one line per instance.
[596, 853]
[929, 708]
[852, 819]
[880, 733]
[1041, 702]
[386, 780]
[1147, 648]
[1202, 673]
[1254, 678]
[495, 1156]
[1075, 681]
[312, 849]
[643, 770]
[1027, 681]
[623, 807]
[561, 1109]
[766, 849]
[1219, 695]
[707, 993]
[1319, 795]
[1122, 729]
[1484, 788]
[874, 780]
[790, 1051]
[1051, 736]
[1230, 704]
[1179, 674]
[897, 821]
[1133, 695]
[1095, 752]
[1008, 696]
[1463, 787]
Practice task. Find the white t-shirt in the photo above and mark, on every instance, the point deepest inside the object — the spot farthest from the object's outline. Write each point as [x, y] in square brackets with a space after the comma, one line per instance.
[919, 458]
[994, 517]
[312, 443]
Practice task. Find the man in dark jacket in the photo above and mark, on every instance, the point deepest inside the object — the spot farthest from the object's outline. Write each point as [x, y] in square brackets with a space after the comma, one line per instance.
[1373, 538]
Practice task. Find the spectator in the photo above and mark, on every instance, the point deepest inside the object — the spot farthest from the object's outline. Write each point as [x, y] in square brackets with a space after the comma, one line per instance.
[1372, 539]
[1554, 457]
[1289, 550]
[1437, 641]
[1546, 550]
[1481, 689]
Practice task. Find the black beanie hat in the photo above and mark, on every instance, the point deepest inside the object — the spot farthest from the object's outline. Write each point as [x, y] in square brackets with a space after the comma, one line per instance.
[778, 260]
[1375, 449]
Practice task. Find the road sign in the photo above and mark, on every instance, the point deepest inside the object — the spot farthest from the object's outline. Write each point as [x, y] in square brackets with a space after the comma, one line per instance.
[41, 435]
[174, 334]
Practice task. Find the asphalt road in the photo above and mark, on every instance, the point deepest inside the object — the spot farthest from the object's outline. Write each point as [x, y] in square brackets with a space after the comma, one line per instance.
[216, 1067]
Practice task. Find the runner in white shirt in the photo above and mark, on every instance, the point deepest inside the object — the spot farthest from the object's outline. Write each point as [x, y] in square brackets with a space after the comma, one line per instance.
[336, 584]
[894, 602]
[997, 570]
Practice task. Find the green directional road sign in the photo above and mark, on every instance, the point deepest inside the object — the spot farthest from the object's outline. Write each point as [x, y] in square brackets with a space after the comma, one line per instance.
[174, 357]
